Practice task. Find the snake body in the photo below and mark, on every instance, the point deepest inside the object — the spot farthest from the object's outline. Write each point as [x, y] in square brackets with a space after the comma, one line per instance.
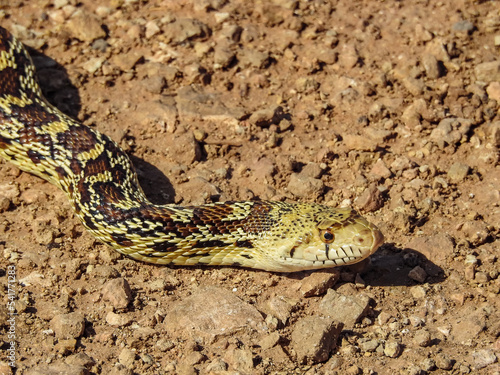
[102, 186]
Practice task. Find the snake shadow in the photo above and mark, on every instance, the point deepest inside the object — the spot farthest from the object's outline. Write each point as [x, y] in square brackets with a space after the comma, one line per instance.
[395, 266]
[389, 266]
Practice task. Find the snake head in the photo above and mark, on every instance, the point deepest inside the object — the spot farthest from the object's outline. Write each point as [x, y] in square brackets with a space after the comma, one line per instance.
[324, 237]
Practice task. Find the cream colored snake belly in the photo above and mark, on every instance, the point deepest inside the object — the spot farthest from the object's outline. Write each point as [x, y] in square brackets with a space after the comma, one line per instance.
[102, 186]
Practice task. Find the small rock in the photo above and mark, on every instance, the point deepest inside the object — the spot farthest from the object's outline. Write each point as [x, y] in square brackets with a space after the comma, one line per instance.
[428, 364]
[68, 326]
[223, 56]
[443, 362]
[392, 349]
[270, 340]
[65, 347]
[93, 65]
[464, 26]
[493, 91]
[370, 200]
[348, 56]
[279, 307]
[151, 29]
[253, 58]
[127, 357]
[241, 360]
[367, 345]
[306, 85]
[379, 169]
[185, 29]
[56, 369]
[126, 61]
[450, 131]
[476, 231]
[433, 68]
[118, 292]
[488, 71]
[458, 172]
[154, 84]
[312, 170]
[414, 85]
[422, 338]
[85, 26]
[314, 337]
[418, 274]
[359, 142]
[345, 309]
[483, 358]
[263, 117]
[118, 320]
[305, 187]
[319, 282]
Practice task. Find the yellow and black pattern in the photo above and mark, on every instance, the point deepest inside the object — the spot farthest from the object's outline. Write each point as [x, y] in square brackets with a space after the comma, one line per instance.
[102, 186]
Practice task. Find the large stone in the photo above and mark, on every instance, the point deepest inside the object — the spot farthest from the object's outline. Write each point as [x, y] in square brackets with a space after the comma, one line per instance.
[211, 313]
[345, 309]
[314, 337]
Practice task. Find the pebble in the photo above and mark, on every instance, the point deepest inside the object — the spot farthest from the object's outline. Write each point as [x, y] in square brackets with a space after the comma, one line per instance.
[427, 246]
[223, 56]
[118, 292]
[264, 117]
[118, 320]
[458, 172]
[85, 26]
[305, 187]
[345, 309]
[253, 58]
[433, 68]
[270, 340]
[414, 85]
[151, 29]
[463, 27]
[493, 91]
[368, 345]
[319, 282]
[422, 338]
[483, 358]
[359, 142]
[392, 349]
[370, 200]
[56, 369]
[93, 65]
[313, 338]
[450, 131]
[412, 115]
[184, 29]
[443, 362]
[418, 274]
[379, 169]
[241, 360]
[279, 307]
[127, 357]
[488, 71]
[68, 326]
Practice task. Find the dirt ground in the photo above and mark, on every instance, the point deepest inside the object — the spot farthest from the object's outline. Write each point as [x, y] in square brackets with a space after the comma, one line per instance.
[389, 106]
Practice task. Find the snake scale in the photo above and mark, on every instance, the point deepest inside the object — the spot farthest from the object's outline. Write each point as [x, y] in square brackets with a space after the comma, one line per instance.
[102, 186]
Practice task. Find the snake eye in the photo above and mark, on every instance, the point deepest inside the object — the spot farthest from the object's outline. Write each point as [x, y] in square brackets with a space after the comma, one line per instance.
[327, 236]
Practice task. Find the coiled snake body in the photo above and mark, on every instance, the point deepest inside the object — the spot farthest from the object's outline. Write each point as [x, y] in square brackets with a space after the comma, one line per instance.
[102, 186]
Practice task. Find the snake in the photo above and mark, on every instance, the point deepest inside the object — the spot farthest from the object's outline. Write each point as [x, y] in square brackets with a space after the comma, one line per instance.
[99, 180]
